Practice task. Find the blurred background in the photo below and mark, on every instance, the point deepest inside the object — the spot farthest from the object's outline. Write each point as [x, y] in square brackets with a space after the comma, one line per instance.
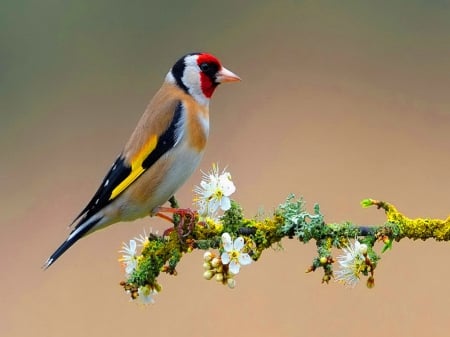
[339, 101]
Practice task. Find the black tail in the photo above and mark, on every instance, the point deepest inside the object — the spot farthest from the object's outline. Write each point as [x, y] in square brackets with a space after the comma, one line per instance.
[81, 230]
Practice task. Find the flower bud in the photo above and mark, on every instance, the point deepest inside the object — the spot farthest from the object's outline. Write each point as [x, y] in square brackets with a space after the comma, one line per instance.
[219, 277]
[215, 262]
[208, 256]
[207, 275]
[363, 249]
[231, 283]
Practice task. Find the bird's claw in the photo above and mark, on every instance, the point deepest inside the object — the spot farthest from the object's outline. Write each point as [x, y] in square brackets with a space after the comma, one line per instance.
[183, 220]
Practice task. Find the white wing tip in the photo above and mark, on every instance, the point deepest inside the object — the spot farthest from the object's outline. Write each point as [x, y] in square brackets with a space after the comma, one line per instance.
[47, 263]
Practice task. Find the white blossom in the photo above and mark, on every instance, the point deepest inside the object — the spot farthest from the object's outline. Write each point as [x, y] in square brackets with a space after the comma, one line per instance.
[214, 192]
[145, 295]
[129, 258]
[233, 255]
[351, 263]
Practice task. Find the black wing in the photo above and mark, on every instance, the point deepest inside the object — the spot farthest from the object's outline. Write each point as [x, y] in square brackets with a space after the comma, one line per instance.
[121, 170]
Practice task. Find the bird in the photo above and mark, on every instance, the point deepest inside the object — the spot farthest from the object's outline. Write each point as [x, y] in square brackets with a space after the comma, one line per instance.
[162, 152]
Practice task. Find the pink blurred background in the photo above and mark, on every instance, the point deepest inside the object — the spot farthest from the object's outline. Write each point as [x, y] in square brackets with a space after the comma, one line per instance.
[339, 102]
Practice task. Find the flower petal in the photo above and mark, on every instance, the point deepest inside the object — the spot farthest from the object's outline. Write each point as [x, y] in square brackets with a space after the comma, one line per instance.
[133, 246]
[130, 267]
[225, 204]
[226, 185]
[225, 258]
[244, 259]
[239, 243]
[201, 205]
[226, 239]
[208, 189]
[213, 205]
[234, 267]
[213, 180]
[145, 295]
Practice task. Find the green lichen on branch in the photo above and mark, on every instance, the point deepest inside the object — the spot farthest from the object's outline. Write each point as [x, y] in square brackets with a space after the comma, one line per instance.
[249, 237]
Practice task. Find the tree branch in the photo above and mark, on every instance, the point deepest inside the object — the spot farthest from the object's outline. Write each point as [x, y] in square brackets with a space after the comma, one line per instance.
[290, 219]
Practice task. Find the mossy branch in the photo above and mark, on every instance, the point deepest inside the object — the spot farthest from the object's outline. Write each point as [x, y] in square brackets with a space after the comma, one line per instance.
[290, 219]
[420, 228]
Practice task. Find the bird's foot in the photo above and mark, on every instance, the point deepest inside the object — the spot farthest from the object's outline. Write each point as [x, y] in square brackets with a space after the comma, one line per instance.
[183, 220]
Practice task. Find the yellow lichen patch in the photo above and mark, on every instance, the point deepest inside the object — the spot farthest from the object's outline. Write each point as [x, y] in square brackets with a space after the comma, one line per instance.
[207, 229]
[266, 235]
[420, 228]
[443, 231]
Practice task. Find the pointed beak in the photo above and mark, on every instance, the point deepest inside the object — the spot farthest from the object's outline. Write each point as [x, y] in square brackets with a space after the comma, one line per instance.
[224, 76]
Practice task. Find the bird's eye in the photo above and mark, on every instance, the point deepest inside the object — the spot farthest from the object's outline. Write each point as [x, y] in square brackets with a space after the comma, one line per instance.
[204, 67]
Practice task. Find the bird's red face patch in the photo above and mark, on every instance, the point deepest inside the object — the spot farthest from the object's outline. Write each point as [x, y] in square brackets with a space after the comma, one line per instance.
[209, 66]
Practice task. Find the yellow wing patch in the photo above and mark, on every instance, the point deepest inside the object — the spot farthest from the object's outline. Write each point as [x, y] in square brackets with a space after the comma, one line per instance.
[136, 166]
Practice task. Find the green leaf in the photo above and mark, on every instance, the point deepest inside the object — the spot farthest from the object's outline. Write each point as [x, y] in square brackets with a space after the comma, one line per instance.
[366, 203]
[387, 246]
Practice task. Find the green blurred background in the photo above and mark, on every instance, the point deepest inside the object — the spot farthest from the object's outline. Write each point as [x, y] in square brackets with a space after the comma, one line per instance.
[339, 101]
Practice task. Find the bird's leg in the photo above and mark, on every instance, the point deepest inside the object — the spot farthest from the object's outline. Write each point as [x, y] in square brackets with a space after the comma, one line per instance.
[186, 219]
[173, 207]
[179, 217]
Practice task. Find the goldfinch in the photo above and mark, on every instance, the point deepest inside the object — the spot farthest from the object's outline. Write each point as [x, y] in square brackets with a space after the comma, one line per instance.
[162, 152]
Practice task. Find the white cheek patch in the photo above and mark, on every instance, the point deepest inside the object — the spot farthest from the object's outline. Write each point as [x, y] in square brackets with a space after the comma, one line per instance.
[191, 79]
